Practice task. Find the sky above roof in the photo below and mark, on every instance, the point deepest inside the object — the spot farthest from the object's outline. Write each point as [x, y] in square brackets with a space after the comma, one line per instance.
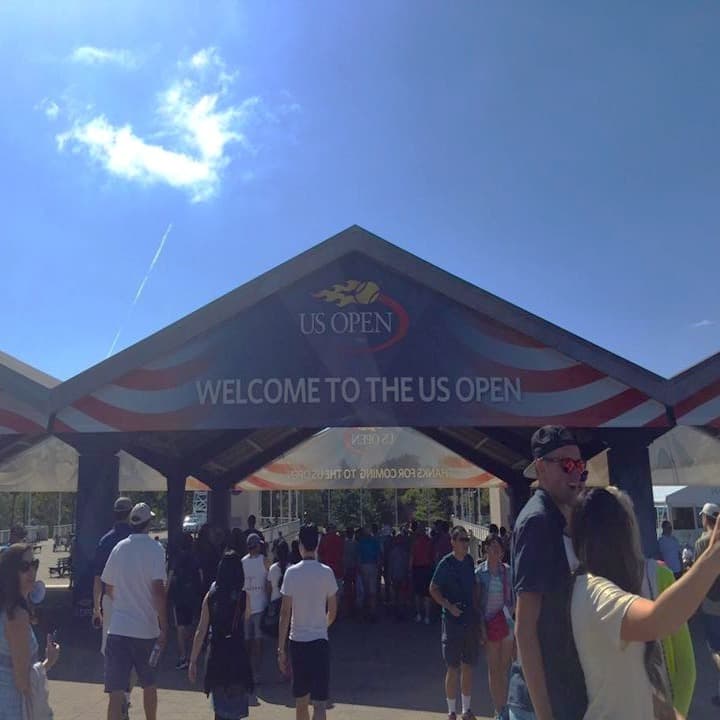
[157, 155]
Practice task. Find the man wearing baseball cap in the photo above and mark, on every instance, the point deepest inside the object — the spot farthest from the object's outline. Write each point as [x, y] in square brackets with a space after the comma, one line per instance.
[711, 604]
[134, 577]
[102, 605]
[547, 682]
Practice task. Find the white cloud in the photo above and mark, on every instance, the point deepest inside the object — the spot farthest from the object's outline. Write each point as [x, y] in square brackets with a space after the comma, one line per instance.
[703, 323]
[123, 153]
[198, 124]
[49, 107]
[98, 56]
[206, 56]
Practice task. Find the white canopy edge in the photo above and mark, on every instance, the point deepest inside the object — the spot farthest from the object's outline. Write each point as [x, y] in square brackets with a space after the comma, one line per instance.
[52, 466]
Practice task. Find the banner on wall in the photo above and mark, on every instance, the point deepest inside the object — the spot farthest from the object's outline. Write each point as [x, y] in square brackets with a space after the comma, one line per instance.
[352, 458]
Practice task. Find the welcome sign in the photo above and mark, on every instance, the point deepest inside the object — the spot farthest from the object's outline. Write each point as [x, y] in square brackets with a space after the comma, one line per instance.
[358, 344]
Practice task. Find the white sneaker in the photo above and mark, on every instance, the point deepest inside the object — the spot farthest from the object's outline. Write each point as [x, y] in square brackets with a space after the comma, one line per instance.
[418, 618]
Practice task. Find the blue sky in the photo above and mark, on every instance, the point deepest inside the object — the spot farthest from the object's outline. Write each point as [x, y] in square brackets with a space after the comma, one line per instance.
[565, 158]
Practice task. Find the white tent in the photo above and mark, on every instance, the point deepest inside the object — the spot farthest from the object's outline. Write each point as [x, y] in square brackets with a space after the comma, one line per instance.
[682, 456]
[52, 466]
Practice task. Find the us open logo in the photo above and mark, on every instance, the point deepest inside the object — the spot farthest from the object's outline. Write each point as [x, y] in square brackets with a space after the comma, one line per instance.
[364, 312]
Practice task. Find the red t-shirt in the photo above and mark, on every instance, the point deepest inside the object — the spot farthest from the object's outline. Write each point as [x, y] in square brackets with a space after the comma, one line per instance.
[422, 552]
[443, 546]
[331, 553]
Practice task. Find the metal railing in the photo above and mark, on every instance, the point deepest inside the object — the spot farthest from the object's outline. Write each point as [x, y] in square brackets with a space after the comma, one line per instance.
[288, 531]
[267, 522]
[37, 533]
[62, 531]
[4, 537]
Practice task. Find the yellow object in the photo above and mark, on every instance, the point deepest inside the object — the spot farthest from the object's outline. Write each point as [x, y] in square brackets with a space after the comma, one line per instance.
[679, 654]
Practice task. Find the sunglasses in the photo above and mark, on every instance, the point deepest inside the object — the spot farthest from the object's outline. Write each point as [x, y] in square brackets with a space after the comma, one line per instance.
[463, 539]
[25, 565]
[569, 464]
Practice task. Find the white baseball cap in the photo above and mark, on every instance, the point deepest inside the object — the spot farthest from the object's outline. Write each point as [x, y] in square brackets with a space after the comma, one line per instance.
[140, 514]
[711, 510]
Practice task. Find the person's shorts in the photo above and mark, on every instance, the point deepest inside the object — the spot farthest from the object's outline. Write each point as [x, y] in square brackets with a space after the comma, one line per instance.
[460, 643]
[421, 578]
[106, 613]
[712, 631]
[253, 627]
[122, 654]
[310, 663]
[369, 574]
[184, 615]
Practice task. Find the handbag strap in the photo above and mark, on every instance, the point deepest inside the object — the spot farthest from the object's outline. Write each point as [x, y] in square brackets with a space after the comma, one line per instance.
[238, 612]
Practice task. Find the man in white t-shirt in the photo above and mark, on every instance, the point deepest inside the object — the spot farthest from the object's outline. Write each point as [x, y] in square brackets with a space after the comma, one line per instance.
[309, 607]
[255, 568]
[134, 578]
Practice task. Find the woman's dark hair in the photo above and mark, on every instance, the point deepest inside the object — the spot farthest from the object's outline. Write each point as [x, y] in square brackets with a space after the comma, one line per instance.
[282, 556]
[603, 540]
[10, 596]
[295, 556]
[227, 598]
[606, 544]
[237, 541]
[186, 543]
[203, 537]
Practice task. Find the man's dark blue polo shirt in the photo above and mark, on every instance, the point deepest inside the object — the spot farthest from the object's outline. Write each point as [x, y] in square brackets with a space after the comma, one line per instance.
[106, 545]
[539, 565]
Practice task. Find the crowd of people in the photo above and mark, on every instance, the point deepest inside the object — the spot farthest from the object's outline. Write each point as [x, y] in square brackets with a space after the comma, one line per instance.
[574, 621]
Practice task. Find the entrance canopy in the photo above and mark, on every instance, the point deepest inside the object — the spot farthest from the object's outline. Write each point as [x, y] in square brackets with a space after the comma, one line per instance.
[357, 332]
[344, 458]
[695, 395]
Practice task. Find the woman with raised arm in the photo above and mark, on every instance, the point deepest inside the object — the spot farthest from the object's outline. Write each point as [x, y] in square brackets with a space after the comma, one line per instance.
[615, 629]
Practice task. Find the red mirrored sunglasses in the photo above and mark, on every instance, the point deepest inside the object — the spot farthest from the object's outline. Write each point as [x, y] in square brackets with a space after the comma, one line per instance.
[569, 464]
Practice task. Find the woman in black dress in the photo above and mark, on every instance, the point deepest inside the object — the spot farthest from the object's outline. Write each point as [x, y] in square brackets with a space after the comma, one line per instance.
[228, 676]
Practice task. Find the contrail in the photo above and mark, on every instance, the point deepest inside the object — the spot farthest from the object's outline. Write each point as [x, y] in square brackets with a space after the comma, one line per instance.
[140, 289]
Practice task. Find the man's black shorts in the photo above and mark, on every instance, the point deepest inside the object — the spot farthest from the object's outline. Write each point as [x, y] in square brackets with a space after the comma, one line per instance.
[185, 615]
[122, 654]
[311, 669]
[460, 643]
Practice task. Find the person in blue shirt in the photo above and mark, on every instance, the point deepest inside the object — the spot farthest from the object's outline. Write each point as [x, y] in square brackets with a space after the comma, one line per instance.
[370, 557]
[670, 549]
[453, 587]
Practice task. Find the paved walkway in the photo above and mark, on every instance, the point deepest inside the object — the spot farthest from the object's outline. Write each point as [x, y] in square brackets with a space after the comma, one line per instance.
[384, 671]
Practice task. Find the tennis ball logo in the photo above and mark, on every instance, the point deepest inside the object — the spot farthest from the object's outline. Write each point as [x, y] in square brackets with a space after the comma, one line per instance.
[366, 293]
[351, 292]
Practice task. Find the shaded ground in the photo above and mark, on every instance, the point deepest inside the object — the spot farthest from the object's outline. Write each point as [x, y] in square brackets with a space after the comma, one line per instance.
[384, 671]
